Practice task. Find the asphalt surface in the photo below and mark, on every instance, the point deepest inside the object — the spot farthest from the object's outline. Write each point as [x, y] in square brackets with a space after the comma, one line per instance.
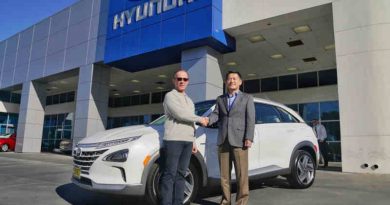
[45, 179]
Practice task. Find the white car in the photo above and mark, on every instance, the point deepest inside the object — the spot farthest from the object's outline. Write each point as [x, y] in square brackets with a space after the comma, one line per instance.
[126, 160]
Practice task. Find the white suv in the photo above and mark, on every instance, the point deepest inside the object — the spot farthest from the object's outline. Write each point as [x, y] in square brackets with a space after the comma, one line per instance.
[126, 160]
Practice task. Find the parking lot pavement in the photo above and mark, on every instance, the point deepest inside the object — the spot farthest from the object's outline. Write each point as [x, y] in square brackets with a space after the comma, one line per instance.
[45, 179]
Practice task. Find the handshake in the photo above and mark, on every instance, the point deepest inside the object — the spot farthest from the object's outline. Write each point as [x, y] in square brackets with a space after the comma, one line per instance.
[204, 121]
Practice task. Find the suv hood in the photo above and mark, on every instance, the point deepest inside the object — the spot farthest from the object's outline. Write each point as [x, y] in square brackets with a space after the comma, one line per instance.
[123, 132]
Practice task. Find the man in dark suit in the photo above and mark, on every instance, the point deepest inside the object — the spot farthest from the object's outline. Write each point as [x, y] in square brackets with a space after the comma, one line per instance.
[235, 115]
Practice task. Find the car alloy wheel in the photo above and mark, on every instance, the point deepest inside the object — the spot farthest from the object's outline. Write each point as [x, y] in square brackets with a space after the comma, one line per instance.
[302, 170]
[305, 169]
[189, 186]
[190, 189]
[4, 147]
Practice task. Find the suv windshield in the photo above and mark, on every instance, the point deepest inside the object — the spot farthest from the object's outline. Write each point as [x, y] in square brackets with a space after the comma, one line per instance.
[200, 109]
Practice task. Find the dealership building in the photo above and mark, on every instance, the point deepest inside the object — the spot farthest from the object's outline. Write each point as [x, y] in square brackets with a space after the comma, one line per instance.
[102, 64]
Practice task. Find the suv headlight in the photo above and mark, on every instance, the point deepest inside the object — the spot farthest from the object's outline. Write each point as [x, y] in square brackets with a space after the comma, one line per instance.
[116, 142]
[119, 156]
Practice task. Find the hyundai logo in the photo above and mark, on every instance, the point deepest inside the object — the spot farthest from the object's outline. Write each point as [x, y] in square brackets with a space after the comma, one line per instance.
[145, 10]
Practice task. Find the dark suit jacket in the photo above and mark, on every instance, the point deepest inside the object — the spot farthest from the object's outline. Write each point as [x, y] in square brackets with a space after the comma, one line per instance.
[238, 124]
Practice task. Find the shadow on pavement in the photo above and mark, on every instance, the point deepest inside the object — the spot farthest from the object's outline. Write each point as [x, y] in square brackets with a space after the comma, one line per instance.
[207, 196]
[77, 196]
[212, 194]
[330, 169]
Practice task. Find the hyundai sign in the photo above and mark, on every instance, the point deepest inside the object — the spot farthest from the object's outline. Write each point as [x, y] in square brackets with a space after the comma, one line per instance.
[145, 34]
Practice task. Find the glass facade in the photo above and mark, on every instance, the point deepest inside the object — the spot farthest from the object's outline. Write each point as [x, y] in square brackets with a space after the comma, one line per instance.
[142, 99]
[6, 96]
[294, 81]
[115, 122]
[328, 114]
[8, 123]
[60, 98]
[55, 128]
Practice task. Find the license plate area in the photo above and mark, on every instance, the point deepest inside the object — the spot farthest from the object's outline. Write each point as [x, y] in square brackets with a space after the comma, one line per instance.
[76, 172]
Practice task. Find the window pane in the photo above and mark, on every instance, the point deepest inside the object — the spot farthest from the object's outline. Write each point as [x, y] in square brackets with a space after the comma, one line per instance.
[111, 102]
[332, 130]
[329, 110]
[110, 123]
[56, 99]
[144, 99]
[126, 101]
[125, 121]
[155, 116]
[334, 151]
[67, 134]
[46, 121]
[157, 97]
[266, 114]
[3, 118]
[269, 84]
[71, 96]
[118, 102]
[287, 82]
[135, 100]
[53, 120]
[68, 119]
[52, 133]
[286, 117]
[63, 97]
[45, 134]
[61, 120]
[309, 111]
[117, 122]
[328, 77]
[49, 100]
[15, 98]
[146, 119]
[5, 96]
[45, 145]
[307, 80]
[140, 119]
[252, 86]
[134, 120]
[13, 119]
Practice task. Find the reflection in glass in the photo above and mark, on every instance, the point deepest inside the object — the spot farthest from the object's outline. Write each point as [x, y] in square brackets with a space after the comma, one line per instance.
[55, 129]
[269, 84]
[329, 110]
[309, 111]
[307, 80]
[287, 82]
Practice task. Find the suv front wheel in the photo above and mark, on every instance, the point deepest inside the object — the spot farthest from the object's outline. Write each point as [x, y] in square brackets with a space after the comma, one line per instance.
[302, 171]
[153, 181]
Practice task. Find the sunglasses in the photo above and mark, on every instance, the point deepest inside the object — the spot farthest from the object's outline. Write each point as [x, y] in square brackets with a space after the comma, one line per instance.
[182, 79]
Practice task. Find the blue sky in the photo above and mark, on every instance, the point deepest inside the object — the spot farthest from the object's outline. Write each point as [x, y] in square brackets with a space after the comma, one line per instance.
[17, 15]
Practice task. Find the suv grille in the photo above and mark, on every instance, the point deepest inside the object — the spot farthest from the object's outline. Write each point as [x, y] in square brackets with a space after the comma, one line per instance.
[86, 159]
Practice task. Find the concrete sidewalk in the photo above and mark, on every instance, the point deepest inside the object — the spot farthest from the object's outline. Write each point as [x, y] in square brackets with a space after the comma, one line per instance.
[45, 179]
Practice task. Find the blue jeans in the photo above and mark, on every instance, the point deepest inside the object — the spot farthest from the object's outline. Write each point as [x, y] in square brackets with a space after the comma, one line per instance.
[176, 157]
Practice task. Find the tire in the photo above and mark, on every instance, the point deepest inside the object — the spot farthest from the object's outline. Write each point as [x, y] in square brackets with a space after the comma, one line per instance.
[152, 185]
[4, 148]
[302, 170]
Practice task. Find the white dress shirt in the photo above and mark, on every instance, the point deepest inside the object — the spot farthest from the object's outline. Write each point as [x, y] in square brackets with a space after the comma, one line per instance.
[320, 131]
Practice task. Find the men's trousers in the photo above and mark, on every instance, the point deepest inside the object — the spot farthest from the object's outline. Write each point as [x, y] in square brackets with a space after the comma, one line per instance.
[324, 151]
[176, 159]
[227, 155]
